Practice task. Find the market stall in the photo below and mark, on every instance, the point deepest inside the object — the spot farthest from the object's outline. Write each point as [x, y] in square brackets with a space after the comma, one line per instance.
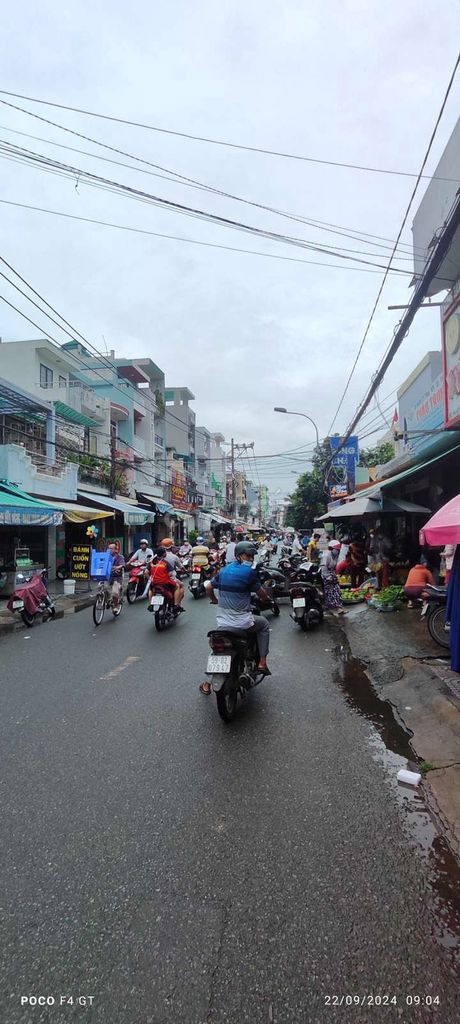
[23, 536]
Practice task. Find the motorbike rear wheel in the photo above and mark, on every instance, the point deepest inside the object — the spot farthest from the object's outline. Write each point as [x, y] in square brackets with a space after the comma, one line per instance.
[98, 609]
[435, 622]
[276, 609]
[196, 594]
[131, 592]
[160, 618]
[227, 699]
[27, 618]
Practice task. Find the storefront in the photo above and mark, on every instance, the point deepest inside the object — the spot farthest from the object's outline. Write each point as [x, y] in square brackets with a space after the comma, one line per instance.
[126, 518]
[24, 531]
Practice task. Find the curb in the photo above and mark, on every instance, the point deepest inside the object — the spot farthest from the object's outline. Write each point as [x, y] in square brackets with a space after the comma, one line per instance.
[8, 627]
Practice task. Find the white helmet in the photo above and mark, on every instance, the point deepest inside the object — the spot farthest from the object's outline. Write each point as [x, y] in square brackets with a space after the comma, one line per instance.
[143, 541]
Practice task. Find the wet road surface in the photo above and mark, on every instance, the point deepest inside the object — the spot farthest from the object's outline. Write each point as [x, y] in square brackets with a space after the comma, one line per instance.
[180, 871]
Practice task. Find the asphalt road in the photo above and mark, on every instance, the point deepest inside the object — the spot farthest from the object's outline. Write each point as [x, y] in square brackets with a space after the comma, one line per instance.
[180, 871]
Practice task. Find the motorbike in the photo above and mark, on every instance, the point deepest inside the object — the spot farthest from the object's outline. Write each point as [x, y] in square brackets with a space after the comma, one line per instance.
[259, 604]
[200, 573]
[186, 566]
[434, 611]
[162, 603]
[232, 668]
[31, 599]
[305, 593]
[138, 583]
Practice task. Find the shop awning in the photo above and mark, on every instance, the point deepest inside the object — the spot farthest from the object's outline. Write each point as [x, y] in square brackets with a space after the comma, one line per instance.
[157, 503]
[359, 507]
[381, 485]
[74, 513]
[220, 520]
[133, 514]
[20, 509]
[67, 413]
[179, 514]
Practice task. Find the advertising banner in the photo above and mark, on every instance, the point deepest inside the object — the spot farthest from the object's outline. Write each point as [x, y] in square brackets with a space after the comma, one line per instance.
[451, 354]
[80, 561]
[179, 490]
[345, 462]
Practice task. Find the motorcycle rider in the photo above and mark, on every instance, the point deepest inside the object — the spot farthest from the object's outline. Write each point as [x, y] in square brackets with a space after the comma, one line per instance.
[116, 574]
[235, 583]
[185, 549]
[143, 554]
[200, 554]
[174, 564]
[162, 574]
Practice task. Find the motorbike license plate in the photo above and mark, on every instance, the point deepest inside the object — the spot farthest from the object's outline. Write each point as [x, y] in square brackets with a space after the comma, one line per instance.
[18, 604]
[298, 602]
[219, 663]
[424, 609]
[157, 600]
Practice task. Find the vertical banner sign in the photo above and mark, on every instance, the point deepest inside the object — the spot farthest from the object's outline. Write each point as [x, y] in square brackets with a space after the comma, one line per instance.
[80, 561]
[346, 461]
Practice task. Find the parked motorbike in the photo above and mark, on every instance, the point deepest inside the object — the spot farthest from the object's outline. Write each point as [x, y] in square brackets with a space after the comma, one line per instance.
[434, 611]
[274, 579]
[162, 603]
[306, 596]
[138, 583]
[232, 668]
[31, 599]
[267, 604]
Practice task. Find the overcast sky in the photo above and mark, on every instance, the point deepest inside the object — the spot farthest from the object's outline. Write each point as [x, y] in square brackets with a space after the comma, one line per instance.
[347, 80]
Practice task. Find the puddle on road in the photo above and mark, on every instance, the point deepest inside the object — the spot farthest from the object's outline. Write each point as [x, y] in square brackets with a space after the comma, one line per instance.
[390, 746]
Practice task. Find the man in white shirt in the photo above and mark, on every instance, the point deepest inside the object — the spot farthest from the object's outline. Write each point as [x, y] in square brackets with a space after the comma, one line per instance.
[143, 554]
[230, 551]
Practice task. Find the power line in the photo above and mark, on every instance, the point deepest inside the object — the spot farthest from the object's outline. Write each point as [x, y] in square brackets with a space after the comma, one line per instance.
[180, 238]
[219, 142]
[169, 175]
[38, 159]
[414, 190]
[451, 227]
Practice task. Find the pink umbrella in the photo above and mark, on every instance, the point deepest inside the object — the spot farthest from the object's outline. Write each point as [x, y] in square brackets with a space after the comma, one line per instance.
[444, 526]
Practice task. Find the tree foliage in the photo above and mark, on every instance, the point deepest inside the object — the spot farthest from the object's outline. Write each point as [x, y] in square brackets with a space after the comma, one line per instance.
[377, 456]
[309, 499]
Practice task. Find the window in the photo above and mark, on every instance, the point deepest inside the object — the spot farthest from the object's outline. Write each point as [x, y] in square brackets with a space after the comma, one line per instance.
[62, 381]
[46, 376]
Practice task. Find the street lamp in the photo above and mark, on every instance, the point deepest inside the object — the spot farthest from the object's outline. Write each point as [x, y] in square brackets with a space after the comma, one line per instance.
[279, 408]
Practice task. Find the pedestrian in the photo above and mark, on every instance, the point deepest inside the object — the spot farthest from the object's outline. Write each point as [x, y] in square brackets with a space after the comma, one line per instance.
[296, 545]
[382, 554]
[447, 556]
[332, 593]
[417, 579]
[358, 559]
[313, 552]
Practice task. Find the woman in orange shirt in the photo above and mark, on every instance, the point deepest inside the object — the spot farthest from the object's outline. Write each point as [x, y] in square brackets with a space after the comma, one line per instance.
[416, 582]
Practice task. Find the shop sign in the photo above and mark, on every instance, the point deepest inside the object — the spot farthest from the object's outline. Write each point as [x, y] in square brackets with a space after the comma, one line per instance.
[80, 561]
[451, 354]
[346, 461]
[338, 491]
[178, 490]
[426, 415]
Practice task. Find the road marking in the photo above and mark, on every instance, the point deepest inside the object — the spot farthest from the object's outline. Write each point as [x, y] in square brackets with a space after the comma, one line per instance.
[120, 668]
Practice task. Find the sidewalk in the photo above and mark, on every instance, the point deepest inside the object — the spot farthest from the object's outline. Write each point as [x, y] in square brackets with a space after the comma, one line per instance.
[9, 622]
[410, 671]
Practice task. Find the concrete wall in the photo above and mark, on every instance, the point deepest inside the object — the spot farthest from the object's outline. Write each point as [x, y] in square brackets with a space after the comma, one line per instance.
[17, 467]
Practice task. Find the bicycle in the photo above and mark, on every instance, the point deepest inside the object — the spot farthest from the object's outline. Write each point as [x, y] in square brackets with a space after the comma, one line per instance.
[103, 600]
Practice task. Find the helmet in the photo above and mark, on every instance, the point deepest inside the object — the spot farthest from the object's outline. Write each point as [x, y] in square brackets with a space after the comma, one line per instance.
[245, 547]
[143, 541]
[199, 540]
[334, 544]
[167, 542]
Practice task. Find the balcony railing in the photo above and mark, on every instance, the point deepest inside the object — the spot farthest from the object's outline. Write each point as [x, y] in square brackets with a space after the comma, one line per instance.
[77, 396]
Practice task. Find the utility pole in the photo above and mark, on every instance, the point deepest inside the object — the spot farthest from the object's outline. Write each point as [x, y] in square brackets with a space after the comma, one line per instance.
[113, 452]
[236, 448]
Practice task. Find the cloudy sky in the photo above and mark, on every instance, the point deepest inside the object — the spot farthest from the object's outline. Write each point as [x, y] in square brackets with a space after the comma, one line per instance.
[348, 80]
